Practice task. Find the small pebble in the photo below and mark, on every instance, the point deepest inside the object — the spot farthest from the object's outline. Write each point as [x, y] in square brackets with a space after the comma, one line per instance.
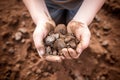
[54, 52]
[79, 61]
[23, 41]
[11, 50]
[18, 36]
[23, 23]
[102, 78]
[49, 40]
[105, 43]
[97, 18]
[8, 43]
[59, 44]
[105, 52]
[48, 50]
[29, 72]
[106, 28]
[68, 38]
[56, 35]
[98, 34]
[99, 55]
[61, 28]
[78, 76]
[72, 44]
[38, 71]
[45, 74]
[23, 30]
[25, 15]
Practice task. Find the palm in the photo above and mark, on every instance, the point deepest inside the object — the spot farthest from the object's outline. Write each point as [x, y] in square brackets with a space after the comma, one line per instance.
[82, 33]
[40, 33]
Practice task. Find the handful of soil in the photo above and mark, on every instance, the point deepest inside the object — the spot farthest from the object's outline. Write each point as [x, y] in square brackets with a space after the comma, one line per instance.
[58, 39]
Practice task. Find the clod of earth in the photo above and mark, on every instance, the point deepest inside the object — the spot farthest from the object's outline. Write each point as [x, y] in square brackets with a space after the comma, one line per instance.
[59, 44]
[59, 39]
[72, 44]
[61, 28]
[49, 40]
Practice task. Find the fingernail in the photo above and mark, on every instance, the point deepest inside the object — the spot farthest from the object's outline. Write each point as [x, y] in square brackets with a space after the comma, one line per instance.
[53, 58]
[40, 52]
[79, 51]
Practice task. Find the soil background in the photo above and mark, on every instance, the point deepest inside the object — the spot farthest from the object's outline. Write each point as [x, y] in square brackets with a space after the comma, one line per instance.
[20, 61]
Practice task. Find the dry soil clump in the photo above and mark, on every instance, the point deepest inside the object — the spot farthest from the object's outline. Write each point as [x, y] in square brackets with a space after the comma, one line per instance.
[59, 39]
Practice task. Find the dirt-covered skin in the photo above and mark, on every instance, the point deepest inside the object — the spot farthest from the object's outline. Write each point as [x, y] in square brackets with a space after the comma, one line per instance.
[19, 59]
[58, 39]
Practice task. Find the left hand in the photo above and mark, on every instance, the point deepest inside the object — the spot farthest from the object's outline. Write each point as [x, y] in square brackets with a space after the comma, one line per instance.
[82, 33]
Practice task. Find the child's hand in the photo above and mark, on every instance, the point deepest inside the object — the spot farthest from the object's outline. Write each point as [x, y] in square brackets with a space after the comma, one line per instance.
[42, 29]
[82, 33]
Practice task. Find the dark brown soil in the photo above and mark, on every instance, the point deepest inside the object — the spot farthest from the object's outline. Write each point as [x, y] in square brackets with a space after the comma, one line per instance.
[19, 59]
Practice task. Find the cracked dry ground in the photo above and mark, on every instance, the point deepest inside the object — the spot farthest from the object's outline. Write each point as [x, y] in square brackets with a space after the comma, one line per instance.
[20, 61]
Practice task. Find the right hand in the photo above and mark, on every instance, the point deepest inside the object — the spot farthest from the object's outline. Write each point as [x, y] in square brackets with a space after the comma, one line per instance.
[42, 29]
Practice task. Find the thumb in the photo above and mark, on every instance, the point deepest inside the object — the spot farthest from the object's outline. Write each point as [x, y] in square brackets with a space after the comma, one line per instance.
[84, 42]
[38, 41]
[79, 49]
[40, 50]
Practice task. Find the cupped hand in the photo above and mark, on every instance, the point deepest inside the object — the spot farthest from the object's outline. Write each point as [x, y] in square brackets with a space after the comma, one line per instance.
[42, 29]
[82, 33]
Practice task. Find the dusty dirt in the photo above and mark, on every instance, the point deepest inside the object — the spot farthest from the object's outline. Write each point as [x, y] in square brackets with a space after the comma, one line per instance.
[19, 59]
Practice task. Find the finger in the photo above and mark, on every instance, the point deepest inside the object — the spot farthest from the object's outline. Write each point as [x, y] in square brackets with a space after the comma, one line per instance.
[41, 51]
[79, 49]
[85, 38]
[66, 53]
[73, 26]
[45, 26]
[73, 53]
[53, 58]
[39, 45]
[69, 28]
